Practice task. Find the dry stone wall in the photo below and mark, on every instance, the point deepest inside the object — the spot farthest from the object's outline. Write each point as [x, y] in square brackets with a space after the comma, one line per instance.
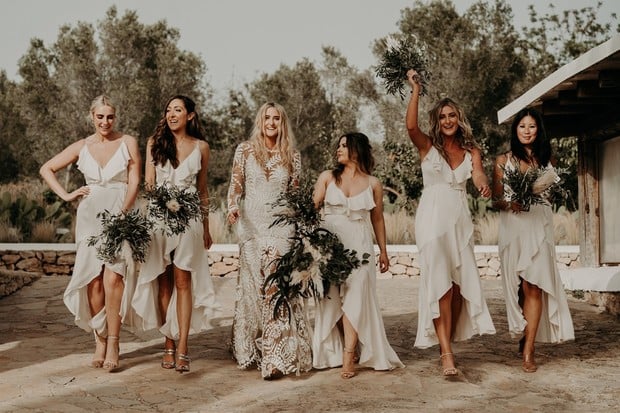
[224, 260]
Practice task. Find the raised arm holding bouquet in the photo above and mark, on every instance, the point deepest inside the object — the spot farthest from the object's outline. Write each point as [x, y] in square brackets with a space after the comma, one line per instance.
[523, 180]
[451, 306]
[401, 55]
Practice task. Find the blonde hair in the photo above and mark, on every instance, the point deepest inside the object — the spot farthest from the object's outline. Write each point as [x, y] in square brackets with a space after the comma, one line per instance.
[285, 142]
[464, 136]
[101, 100]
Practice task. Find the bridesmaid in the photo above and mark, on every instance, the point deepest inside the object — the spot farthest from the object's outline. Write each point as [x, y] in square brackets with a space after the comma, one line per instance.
[451, 305]
[99, 293]
[175, 291]
[353, 202]
[535, 300]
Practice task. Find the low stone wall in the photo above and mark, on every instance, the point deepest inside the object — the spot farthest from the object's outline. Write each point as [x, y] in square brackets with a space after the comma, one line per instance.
[58, 259]
[11, 281]
[403, 261]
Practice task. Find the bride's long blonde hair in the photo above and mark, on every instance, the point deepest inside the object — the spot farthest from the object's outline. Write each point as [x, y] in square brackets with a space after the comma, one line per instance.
[285, 143]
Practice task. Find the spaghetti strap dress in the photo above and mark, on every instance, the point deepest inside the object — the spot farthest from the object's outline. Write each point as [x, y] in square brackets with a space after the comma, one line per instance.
[108, 188]
[349, 218]
[187, 252]
[527, 251]
[444, 236]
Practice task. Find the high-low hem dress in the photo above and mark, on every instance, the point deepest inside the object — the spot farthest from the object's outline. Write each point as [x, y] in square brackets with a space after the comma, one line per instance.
[444, 236]
[108, 188]
[527, 251]
[349, 218]
[187, 252]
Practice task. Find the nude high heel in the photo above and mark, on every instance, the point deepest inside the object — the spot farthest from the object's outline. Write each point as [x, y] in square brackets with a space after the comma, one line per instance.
[448, 371]
[348, 372]
[97, 361]
[529, 365]
[112, 365]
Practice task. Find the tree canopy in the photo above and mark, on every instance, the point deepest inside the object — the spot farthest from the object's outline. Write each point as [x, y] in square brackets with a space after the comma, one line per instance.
[478, 58]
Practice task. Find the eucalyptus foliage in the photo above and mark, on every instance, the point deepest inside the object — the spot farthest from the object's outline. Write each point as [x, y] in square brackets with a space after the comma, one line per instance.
[171, 208]
[316, 259]
[131, 229]
[534, 186]
[401, 55]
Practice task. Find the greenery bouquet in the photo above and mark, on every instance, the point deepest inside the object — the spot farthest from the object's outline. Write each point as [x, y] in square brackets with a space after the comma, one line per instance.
[316, 259]
[534, 186]
[400, 55]
[123, 235]
[172, 208]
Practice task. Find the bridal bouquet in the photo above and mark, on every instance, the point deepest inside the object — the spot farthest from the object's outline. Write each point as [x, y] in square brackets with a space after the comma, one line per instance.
[123, 235]
[172, 208]
[400, 55]
[316, 258]
[534, 186]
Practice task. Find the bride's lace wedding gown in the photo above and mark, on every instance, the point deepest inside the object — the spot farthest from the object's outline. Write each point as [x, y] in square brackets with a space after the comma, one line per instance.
[258, 338]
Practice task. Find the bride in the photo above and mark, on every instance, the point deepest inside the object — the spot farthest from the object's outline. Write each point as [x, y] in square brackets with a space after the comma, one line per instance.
[265, 166]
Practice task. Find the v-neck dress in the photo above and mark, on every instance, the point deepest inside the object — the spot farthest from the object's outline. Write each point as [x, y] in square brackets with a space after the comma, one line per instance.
[527, 251]
[349, 218]
[187, 252]
[445, 238]
[108, 188]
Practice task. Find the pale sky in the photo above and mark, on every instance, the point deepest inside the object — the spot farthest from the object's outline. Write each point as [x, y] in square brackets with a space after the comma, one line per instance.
[239, 39]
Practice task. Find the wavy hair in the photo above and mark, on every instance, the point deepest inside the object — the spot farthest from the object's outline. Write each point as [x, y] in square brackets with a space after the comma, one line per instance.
[464, 135]
[164, 148]
[541, 147]
[360, 151]
[285, 142]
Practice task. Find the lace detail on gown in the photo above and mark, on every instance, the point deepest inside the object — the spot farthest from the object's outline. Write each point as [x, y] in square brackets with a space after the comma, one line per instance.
[257, 337]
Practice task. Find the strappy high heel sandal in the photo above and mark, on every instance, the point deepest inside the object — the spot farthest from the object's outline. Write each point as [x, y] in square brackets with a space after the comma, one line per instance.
[108, 364]
[348, 373]
[98, 359]
[529, 365]
[448, 371]
[165, 364]
[182, 358]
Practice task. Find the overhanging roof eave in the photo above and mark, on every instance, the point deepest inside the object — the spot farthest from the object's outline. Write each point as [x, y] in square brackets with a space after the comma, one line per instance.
[558, 77]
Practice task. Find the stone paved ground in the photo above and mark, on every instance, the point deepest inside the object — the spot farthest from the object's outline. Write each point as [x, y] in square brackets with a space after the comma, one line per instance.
[44, 366]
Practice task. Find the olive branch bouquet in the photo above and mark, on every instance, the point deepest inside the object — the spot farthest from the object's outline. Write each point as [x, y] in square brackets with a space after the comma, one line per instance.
[401, 54]
[123, 235]
[316, 259]
[172, 208]
[537, 185]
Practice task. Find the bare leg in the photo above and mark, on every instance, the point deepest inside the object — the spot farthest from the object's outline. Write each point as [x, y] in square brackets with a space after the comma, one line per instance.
[183, 284]
[350, 342]
[532, 310]
[113, 285]
[457, 304]
[443, 329]
[96, 302]
[165, 282]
